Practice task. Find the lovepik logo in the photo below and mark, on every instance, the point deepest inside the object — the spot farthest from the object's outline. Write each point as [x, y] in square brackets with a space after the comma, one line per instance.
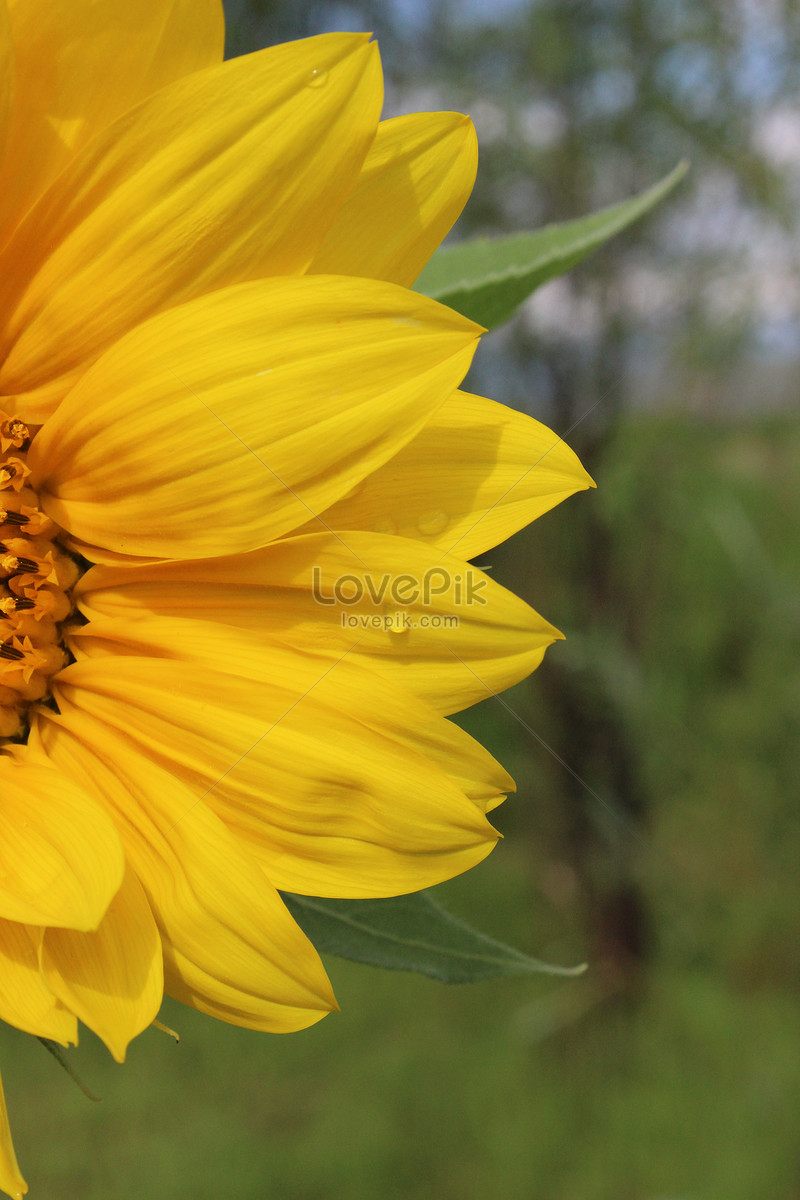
[401, 590]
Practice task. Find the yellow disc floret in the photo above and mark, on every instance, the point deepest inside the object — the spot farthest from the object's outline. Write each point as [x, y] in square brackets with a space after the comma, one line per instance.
[36, 579]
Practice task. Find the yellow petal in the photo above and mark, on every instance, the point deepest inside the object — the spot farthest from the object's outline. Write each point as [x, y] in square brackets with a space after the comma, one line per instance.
[224, 423]
[476, 473]
[230, 947]
[25, 1000]
[230, 174]
[7, 69]
[343, 784]
[11, 1180]
[83, 63]
[437, 625]
[60, 857]
[112, 978]
[414, 183]
[379, 706]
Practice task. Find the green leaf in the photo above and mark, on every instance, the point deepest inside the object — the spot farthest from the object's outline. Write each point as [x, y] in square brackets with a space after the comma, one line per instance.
[488, 278]
[411, 933]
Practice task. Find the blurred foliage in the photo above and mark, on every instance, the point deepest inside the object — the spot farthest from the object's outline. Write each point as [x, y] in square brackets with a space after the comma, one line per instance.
[657, 751]
[579, 104]
[692, 655]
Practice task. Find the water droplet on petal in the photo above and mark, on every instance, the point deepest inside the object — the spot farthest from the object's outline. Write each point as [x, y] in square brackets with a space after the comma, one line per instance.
[317, 78]
[434, 522]
[386, 525]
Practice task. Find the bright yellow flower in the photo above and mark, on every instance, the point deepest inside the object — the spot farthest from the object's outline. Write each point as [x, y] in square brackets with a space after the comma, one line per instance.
[219, 399]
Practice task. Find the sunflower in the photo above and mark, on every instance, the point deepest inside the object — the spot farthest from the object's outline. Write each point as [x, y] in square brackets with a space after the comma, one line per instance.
[222, 407]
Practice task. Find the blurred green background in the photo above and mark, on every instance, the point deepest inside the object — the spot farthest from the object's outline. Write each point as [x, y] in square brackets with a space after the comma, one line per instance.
[666, 852]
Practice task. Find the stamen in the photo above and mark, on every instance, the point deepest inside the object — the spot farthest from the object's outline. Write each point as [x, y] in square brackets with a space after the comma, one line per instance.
[13, 518]
[13, 565]
[12, 652]
[13, 473]
[27, 517]
[48, 602]
[13, 604]
[13, 432]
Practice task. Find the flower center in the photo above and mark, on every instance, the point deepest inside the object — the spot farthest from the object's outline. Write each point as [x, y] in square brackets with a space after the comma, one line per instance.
[36, 578]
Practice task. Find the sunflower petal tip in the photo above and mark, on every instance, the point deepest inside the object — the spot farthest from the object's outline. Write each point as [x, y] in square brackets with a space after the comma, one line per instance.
[118, 1052]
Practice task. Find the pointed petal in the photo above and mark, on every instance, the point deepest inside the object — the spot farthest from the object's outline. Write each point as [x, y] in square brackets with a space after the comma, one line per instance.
[25, 1000]
[343, 784]
[226, 422]
[476, 473]
[83, 63]
[60, 857]
[414, 183]
[11, 1180]
[437, 625]
[112, 978]
[168, 204]
[230, 947]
